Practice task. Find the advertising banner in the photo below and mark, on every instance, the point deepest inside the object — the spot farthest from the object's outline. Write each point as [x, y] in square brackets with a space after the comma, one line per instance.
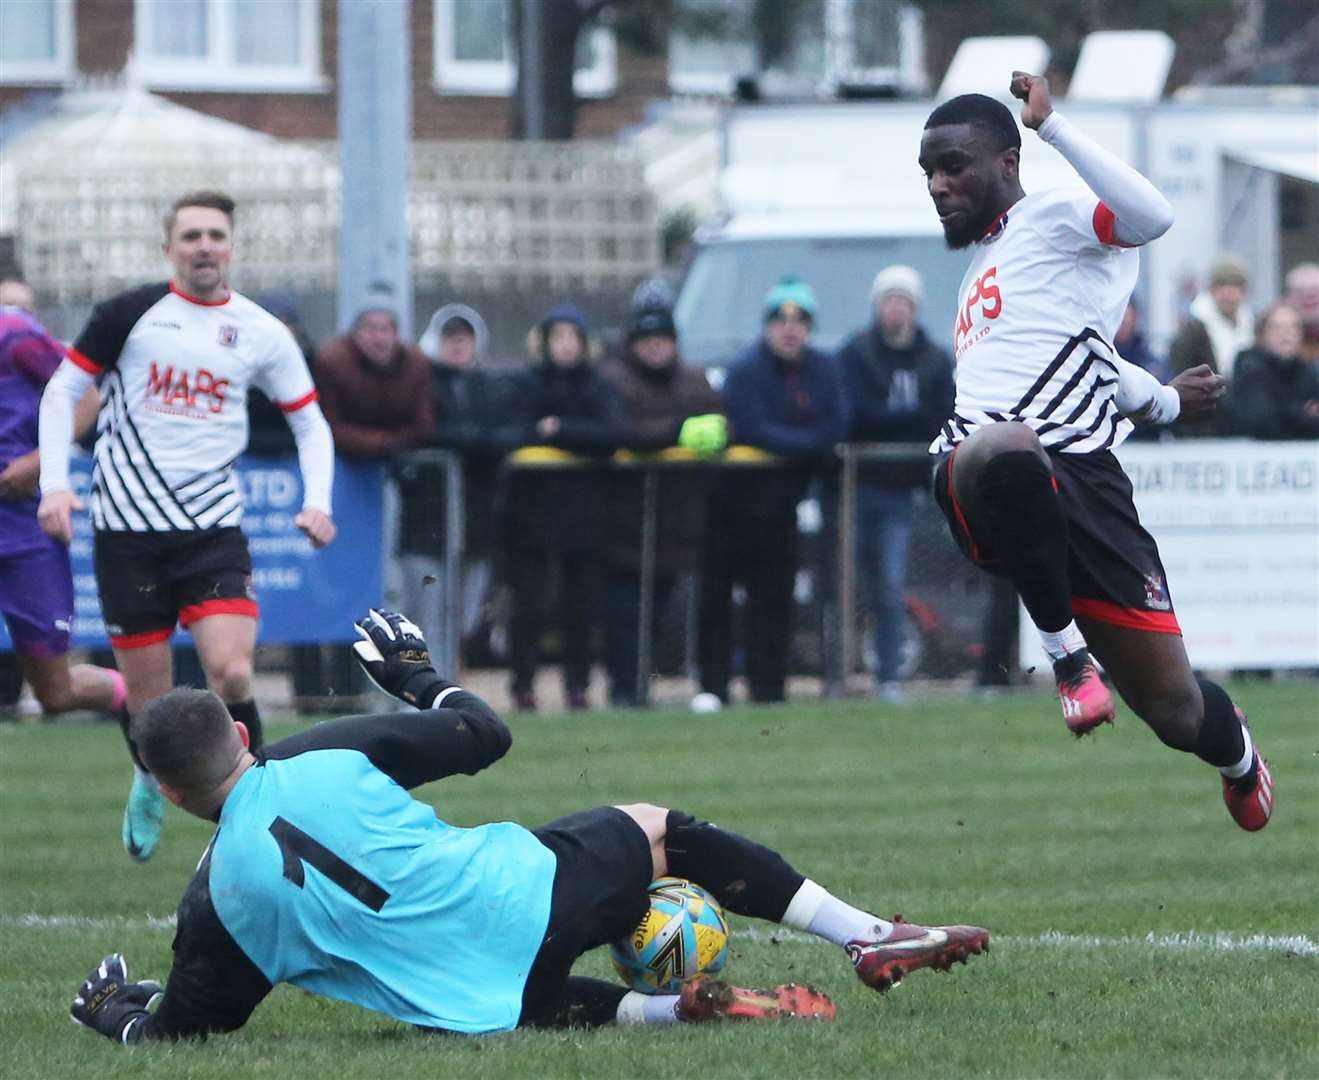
[1237, 524]
[305, 595]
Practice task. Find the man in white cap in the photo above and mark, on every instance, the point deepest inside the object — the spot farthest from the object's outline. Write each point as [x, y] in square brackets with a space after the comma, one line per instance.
[899, 386]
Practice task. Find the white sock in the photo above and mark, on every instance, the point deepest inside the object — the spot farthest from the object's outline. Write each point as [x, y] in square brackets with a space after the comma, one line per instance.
[818, 912]
[647, 1009]
[1232, 772]
[1065, 642]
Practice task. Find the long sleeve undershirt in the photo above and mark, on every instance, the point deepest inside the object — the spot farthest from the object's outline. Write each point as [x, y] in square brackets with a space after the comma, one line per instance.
[1142, 213]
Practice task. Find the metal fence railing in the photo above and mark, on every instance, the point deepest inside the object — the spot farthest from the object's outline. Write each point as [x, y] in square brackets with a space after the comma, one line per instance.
[946, 601]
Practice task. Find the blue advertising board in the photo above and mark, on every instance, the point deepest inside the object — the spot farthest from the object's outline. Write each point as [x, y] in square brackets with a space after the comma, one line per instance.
[305, 595]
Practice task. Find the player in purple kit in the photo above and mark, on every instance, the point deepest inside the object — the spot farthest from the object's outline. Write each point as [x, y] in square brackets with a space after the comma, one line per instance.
[36, 579]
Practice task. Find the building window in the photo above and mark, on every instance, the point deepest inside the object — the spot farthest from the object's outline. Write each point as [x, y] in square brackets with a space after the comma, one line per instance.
[711, 46]
[229, 44]
[808, 46]
[475, 53]
[36, 41]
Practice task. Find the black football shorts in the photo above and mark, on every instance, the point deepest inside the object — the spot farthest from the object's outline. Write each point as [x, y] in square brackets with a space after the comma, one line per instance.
[601, 891]
[150, 581]
[1116, 573]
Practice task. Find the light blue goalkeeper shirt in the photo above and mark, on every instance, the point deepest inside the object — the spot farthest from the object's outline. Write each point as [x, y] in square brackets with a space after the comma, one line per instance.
[330, 876]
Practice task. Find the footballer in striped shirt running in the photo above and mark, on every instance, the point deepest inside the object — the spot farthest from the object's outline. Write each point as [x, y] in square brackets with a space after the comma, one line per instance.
[174, 361]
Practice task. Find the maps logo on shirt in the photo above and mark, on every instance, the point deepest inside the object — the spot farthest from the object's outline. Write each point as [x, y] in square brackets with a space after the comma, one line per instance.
[184, 391]
[985, 293]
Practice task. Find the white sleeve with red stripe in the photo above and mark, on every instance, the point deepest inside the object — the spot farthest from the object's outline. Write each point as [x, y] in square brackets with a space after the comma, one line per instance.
[1131, 211]
[284, 375]
[55, 423]
[315, 453]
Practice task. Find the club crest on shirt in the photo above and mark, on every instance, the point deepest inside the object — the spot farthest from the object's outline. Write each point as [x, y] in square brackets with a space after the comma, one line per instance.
[229, 336]
[996, 229]
[1156, 593]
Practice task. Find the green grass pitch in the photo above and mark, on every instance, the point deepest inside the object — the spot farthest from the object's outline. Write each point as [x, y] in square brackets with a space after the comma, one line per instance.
[1138, 932]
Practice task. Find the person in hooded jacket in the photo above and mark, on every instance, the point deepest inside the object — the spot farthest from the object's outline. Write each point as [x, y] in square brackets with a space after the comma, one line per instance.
[551, 515]
[475, 419]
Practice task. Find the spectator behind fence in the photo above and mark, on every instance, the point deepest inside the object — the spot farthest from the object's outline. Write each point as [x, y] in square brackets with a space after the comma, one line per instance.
[1132, 345]
[475, 418]
[1303, 294]
[783, 396]
[1275, 394]
[899, 388]
[375, 392]
[1219, 327]
[552, 518]
[666, 403]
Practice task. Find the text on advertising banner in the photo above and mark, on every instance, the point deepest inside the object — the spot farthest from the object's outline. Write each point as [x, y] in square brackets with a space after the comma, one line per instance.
[1237, 524]
[305, 595]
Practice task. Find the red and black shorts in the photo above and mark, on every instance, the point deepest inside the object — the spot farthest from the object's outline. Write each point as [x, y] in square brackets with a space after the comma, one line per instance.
[150, 581]
[1116, 573]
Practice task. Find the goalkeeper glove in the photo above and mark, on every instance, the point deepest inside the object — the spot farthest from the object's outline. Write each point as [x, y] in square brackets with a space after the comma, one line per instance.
[107, 1002]
[394, 656]
[705, 435]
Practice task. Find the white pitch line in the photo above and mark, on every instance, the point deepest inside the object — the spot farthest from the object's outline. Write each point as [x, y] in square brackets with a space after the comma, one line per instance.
[1189, 940]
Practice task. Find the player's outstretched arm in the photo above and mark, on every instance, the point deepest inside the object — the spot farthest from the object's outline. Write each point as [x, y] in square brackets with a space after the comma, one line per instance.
[1140, 211]
[453, 732]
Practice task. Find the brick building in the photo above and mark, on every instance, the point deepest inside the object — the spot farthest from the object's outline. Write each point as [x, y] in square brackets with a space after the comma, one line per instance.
[271, 64]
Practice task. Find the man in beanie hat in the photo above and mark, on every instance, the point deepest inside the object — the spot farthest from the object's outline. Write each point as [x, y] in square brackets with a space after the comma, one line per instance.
[784, 397]
[666, 403]
[1220, 326]
[899, 388]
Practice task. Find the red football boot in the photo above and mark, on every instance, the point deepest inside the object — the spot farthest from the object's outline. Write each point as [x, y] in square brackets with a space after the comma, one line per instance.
[882, 964]
[1085, 699]
[712, 999]
[1249, 799]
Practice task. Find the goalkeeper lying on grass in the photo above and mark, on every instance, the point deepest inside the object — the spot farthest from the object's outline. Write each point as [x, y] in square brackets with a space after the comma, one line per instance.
[326, 874]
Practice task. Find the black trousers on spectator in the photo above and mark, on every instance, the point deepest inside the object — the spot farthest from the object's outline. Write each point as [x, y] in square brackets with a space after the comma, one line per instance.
[531, 574]
[623, 633]
[761, 555]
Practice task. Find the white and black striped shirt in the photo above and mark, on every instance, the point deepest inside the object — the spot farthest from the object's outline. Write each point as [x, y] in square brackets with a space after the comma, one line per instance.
[175, 373]
[1037, 311]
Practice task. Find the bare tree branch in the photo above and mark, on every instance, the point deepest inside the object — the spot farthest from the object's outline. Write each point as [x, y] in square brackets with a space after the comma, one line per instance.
[1245, 61]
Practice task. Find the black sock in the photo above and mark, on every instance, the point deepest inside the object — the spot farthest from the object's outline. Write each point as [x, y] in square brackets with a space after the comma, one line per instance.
[125, 719]
[245, 713]
[1220, 741]
[745, 877]
[1027, 531]
[585, 1003]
